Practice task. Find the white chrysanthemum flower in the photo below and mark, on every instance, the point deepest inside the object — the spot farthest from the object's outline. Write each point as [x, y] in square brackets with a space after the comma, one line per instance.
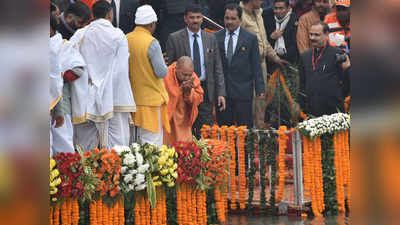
[139, 158]
[135, 147]
[128, 178]
[120, 149]
[129, 160]
[140, 187]
[143, 168]
[139, 179]
[124, 169]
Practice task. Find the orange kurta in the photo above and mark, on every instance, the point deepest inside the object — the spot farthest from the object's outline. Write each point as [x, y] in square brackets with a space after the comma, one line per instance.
[182, 110]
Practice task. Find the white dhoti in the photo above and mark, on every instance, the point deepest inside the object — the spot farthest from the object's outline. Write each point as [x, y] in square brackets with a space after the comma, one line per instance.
[90, 135]
[62, 137]
[118, 130]
[146, 136]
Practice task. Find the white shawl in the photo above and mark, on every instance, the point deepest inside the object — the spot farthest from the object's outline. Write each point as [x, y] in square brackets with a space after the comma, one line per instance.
[55, 80]
[280, 47]
[104, 49]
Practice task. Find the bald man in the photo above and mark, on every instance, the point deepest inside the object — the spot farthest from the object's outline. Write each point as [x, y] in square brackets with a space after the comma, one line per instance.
[185, 94]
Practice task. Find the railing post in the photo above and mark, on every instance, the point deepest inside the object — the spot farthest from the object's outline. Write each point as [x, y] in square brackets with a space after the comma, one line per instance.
[298, 169]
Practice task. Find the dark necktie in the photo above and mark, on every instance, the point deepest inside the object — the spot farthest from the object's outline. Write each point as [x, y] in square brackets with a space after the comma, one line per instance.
[229, 52]
[196, 56]
[114, 23]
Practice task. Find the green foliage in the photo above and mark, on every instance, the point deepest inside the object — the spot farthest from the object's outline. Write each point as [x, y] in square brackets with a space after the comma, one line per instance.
[129, 206]
[212, 217]
[272, 150]
[89, 180]
[262, 158]
[328, 174]
[280, 108]
[171, 205]
[252, 170]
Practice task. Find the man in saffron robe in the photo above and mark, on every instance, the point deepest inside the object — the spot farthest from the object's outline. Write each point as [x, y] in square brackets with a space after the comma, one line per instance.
[185, 94]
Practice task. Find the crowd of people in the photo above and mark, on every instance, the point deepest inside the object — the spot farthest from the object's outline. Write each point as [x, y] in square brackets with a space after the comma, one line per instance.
[113, 82]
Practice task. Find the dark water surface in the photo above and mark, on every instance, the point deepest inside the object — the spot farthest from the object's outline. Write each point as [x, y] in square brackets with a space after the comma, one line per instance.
[284, 220]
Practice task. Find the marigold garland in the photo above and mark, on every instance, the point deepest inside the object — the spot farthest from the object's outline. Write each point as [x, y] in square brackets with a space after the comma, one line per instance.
[220, 205]
[231, 140]
[242, 170]
[282, 140]
[56, 212]
[51, 215]
[214, 132]
[313, 181]
[347, 170]
[307, 173]
[121, 212]
[205, 133]
[339, 161]
[318, 183]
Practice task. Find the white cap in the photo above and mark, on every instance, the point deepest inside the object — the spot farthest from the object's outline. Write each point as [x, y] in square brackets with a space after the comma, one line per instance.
[145, 15]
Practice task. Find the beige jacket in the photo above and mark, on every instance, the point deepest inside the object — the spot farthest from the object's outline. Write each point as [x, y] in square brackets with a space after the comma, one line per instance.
[303, 27]
[253, 22]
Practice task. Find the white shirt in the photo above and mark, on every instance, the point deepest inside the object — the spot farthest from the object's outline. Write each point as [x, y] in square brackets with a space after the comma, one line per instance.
[117, 6]
[202, 77]
[235, 37]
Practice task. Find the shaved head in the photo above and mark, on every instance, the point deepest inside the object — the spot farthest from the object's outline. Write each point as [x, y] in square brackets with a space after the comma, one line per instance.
[184, 68]
[185, 61]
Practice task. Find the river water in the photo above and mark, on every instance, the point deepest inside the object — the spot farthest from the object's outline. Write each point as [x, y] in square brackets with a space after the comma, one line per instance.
[285, 220]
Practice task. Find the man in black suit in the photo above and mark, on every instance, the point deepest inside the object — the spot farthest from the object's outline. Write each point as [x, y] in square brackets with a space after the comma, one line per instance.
[124, 14]
[281, 27]
[324, 78]
[242, 69]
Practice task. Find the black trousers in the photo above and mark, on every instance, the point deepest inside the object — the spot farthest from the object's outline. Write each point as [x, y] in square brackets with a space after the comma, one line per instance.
[238, 111]
[205, 116]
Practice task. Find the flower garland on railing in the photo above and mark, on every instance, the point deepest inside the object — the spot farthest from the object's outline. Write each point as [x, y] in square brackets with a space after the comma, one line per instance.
[262, 159]
[224, 138]
[133, 170]
[162, 170]
[54, 181]
[242, 169]
[342, 165]
[339, 164]
[216, 173]
[250, 151]
[71, 187]
[272, 148]
[313, 181]
[347, 170]
[282, 141]
[106, 165]
[191, 164]
[328, 174]
[205, 131]
[167, 165]
[232, 141]
[326, 124]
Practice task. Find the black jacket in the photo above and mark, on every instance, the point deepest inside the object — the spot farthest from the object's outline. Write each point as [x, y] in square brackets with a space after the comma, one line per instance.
[322, 91]
[127, 15]
[289, 34]
[244, 72]
[64, 29]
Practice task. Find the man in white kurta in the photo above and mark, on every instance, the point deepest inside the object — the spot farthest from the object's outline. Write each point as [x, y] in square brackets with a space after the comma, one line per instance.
[56, 86]
[102, 98]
